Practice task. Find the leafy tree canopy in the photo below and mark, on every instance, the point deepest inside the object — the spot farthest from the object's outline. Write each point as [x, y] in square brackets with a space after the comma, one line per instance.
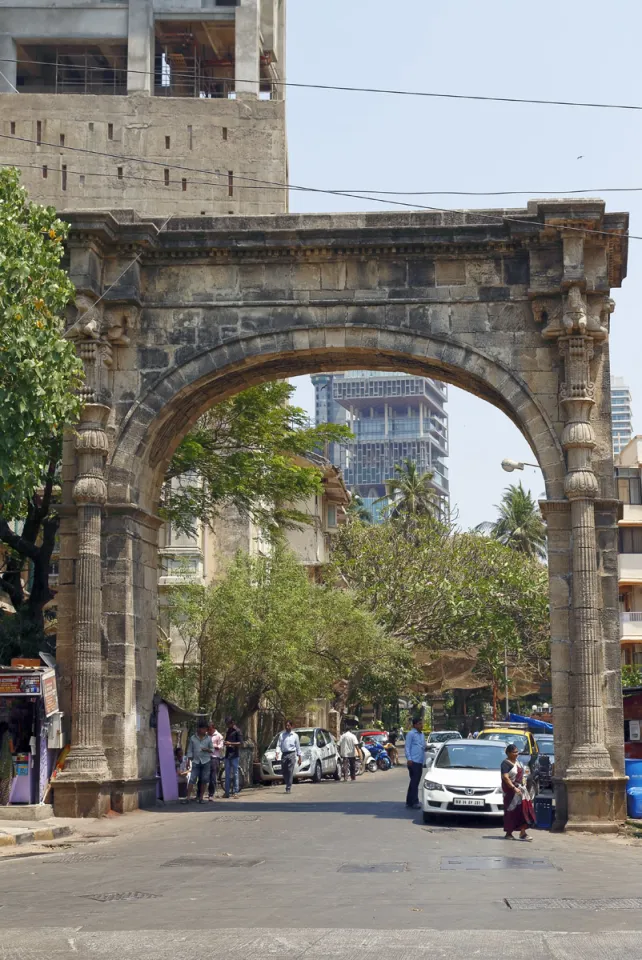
[39, 370]
[243, 454]
[267, 634]
[449, 592]
[410, 494]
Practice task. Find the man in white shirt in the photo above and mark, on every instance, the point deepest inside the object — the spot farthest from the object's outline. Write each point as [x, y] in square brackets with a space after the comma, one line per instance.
[348, 746]
[199, 752]
[288, 749]
[218, 745]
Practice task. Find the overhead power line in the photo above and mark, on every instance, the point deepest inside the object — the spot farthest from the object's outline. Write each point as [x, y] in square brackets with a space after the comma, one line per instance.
[491, 218]
[387, 91]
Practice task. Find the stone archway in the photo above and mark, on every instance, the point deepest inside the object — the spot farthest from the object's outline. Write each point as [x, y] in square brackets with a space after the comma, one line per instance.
[513, 307]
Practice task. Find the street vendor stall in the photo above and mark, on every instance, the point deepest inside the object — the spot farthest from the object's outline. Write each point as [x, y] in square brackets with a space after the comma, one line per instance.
[30, 732]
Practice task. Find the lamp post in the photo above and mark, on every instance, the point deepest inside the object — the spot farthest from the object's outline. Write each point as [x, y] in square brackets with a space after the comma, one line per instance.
[510, 465]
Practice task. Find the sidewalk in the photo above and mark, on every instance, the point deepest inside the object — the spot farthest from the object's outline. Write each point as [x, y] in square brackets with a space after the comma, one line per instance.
[16, 832]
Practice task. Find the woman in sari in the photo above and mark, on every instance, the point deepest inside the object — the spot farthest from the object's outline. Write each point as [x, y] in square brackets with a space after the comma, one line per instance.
[518, 807]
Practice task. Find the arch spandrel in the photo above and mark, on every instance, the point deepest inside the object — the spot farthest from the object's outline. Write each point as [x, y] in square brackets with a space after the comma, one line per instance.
[512, 306]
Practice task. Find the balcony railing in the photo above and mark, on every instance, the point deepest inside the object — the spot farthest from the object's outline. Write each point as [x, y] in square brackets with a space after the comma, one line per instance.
[633, 616]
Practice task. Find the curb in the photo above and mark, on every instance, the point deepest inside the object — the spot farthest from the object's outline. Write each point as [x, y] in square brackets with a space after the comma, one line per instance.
[35, 836]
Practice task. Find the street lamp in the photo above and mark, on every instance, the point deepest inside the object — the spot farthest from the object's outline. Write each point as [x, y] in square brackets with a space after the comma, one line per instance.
[510, 465]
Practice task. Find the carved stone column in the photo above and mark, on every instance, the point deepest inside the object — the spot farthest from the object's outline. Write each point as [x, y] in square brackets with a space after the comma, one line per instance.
[82, 787]
[87, 756]
[589, 754]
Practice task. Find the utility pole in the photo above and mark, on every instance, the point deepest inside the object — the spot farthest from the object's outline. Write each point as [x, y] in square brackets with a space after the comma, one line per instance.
[506, 676]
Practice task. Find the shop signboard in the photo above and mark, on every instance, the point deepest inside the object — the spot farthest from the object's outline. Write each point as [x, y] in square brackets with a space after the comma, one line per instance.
[50, 692]
[634, 729]
[20, 684]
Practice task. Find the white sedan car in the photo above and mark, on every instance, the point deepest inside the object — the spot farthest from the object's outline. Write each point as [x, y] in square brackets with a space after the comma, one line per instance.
[319, 757]
[464, 778]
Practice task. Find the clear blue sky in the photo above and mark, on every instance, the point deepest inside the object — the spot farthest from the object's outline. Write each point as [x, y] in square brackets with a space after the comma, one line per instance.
[569, 50]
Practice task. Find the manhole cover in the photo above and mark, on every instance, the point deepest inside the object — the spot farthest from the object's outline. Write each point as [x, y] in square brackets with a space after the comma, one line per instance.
[494, 863]
[211, 862]
[110, 897]
[79, 857]
[241, 819]
[373, 868]
[569, 903]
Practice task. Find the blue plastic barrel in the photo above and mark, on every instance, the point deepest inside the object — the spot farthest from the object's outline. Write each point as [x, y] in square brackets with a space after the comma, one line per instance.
[634, 803]
[543, 812]
[633, 770]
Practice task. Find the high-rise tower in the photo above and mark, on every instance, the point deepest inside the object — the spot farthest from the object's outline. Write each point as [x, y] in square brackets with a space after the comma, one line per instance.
[190, 87]
[621, 414]
[394, 417]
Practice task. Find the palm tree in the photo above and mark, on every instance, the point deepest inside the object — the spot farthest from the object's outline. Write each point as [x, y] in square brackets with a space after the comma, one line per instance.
[519, 524]
[357, 510]
[410, 493]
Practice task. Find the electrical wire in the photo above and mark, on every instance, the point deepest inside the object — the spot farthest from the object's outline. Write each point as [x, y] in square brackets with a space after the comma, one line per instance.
[350, 89]
[354, 191]
[491, 218]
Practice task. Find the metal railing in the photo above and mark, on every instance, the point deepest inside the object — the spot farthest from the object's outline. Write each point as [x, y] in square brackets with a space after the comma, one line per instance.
[633, 616]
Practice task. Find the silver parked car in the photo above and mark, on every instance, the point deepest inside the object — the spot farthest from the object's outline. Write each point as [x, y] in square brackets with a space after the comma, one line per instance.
[319, 757]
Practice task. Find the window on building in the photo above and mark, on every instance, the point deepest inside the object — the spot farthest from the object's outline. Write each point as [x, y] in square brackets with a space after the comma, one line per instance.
[331, 515]
[72, 68]
[631, 540]
[629, 490]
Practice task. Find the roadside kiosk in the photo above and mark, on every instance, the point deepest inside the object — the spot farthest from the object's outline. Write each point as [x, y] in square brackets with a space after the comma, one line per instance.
[30, 731]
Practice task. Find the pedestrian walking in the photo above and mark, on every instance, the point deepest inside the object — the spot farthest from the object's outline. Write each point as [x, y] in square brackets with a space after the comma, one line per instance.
[288, 747]
[518, 806]
[415, 756]
[199, 753]
[218, 745]
[233, 741]
[348, 745]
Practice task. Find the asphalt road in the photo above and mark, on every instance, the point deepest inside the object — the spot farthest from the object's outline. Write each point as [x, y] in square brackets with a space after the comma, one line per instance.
[331, 871]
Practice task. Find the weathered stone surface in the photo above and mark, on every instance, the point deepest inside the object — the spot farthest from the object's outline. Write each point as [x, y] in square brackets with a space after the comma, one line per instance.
[498, 307]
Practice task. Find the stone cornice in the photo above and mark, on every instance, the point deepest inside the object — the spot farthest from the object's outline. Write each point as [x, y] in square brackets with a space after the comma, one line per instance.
[298, 236]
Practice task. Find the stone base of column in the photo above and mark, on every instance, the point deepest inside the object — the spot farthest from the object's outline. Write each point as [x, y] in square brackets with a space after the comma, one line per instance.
[81, 798]
[93, 798]
[595, 804]
[127, 795]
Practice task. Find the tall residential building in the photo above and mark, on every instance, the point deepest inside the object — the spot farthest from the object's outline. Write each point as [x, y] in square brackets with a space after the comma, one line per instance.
[394, 417]
[628, 472]
[621, 414]
[160, 106]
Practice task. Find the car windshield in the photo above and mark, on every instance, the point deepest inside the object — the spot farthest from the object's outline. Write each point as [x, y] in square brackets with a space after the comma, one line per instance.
[520, 741]
[306, 738]
[442, 736]
[465, 756]
[374, 738]
[546, 746]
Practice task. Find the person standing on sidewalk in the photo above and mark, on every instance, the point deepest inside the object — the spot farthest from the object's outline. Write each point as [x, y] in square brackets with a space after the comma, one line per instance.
[415, 756]
[233, 741]
[217, 752]
[199, 753]
[289, 748]
[348, 752]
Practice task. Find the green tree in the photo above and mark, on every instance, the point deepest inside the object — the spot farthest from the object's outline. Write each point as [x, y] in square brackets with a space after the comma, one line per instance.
[410, 494]
[631, 676]
[39, 376]
[267, 635]
[357, 510]
[450, 594]
[519, 524]
[247, 453]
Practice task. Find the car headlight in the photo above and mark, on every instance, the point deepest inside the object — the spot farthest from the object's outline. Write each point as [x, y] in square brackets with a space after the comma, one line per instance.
[431, 785]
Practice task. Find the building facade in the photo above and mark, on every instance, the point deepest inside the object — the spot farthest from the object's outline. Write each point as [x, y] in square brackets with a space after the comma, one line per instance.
[628, 471]
[622, 414]
[160, 106]
[394, 417]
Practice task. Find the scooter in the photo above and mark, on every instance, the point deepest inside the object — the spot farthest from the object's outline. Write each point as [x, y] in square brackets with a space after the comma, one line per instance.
[379, 756]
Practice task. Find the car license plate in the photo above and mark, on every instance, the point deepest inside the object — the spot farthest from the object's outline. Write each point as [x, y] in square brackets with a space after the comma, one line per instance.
[468, 802]
[276, 767]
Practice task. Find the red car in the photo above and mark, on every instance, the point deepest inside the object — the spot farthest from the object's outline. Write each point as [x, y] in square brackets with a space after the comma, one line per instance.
[365, 734]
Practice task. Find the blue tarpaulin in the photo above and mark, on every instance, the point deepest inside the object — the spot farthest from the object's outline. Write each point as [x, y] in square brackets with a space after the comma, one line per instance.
[537, 726]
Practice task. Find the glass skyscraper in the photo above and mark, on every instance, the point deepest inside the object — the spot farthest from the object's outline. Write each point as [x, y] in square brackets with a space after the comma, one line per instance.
[621, 414]
[394, 417]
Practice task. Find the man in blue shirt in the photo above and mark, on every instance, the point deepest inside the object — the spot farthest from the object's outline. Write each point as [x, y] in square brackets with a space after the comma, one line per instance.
[415, 755]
